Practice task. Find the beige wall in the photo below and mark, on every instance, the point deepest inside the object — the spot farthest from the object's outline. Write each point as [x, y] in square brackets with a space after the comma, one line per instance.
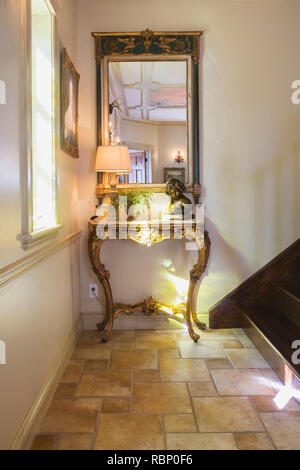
[141, 134]
[250, 140]
[165, 140]
[170, 140]
[38, 309]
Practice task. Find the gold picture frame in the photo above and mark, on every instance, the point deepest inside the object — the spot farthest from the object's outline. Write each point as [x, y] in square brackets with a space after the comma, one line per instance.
[69, 106]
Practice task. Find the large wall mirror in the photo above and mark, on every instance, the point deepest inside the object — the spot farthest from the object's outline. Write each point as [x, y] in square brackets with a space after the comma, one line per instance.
[148, 100]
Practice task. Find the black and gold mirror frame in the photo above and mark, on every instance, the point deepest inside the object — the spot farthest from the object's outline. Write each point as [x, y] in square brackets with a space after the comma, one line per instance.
[149, 43]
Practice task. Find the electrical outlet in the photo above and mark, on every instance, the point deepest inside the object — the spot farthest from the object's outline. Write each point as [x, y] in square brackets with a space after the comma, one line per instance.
[93, 291]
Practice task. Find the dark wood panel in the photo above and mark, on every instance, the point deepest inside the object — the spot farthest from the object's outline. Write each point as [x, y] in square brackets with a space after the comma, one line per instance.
[274, 358]
[226, 315]
[285, 267]
[267, 306]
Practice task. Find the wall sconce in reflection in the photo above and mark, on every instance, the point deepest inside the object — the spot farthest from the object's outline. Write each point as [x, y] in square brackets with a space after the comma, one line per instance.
[179, 157]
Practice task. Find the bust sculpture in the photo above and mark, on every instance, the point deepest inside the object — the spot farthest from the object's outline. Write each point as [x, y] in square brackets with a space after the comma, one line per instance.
[175, 189]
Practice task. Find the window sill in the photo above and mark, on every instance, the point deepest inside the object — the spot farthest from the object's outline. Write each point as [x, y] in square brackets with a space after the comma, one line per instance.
[29, 240]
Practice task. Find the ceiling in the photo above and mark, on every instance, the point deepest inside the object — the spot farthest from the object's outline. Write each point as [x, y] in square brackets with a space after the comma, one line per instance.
[150, 91]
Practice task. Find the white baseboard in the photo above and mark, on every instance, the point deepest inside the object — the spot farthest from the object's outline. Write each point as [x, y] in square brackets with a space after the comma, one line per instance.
[28, 429]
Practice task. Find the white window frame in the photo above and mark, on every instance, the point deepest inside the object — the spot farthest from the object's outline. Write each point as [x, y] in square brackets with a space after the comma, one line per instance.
[29, 237]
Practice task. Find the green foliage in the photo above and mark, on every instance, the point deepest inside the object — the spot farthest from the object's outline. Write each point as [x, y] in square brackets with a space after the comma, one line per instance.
[135, 196]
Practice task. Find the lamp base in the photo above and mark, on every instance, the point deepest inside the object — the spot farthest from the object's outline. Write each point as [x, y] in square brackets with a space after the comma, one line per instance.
[109, 179]
[114, 180]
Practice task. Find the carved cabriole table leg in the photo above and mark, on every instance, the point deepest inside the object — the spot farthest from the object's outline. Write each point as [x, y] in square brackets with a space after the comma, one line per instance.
[195, 275]
[94, 247]
[197, 271]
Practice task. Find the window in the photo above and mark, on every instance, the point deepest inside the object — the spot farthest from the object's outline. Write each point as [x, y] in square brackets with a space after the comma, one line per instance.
[40, 218]
[43, 161]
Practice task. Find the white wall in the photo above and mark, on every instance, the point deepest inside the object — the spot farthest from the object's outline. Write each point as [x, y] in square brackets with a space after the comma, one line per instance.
[144, 134]
[170, 140]
[38, 309]
[165, 140]
[250, 140]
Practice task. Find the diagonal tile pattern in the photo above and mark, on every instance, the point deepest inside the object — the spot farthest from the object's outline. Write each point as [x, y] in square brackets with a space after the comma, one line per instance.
[130, 432]
[204, 350]
[152, 340]
[183, 370]
[284, 429]
[131, 359]
[241, 382]
[226, 414]
[105, 383]
[201, 441]
[180, 423]
[254, 441]
[161, 397]
[71, 416]
[156, 389]
[246, 359]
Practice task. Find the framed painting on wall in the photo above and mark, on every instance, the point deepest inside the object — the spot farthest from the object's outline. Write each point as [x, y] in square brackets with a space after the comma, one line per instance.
[69, 106]
[178, 173]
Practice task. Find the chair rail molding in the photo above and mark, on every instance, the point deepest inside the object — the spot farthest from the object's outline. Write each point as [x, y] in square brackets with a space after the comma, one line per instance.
[19, 267]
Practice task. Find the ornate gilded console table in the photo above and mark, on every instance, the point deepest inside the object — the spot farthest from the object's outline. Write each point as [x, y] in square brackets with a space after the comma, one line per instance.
[149, 233]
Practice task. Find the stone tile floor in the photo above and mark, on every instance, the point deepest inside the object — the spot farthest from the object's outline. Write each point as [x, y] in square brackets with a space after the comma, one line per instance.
[156, 389]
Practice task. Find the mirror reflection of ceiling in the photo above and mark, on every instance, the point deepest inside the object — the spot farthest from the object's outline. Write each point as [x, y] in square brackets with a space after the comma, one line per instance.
[150, 91]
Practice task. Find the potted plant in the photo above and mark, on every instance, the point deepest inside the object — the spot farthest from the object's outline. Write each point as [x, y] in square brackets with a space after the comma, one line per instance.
[137, 198]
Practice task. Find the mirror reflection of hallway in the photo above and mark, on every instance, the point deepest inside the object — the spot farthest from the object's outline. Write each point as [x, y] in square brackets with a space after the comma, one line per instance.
[148, 102]
[141, 171]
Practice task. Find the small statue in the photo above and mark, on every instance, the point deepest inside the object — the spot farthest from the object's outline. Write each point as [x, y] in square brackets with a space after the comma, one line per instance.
[175, 189]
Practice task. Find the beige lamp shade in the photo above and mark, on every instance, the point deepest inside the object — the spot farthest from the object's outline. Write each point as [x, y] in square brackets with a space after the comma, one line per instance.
[113, 159]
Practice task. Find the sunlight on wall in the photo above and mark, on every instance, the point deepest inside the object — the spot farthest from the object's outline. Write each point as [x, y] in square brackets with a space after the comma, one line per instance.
[181, 285]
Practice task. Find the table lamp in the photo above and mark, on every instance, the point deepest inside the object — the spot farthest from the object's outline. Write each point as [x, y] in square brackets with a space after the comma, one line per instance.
[114, 160]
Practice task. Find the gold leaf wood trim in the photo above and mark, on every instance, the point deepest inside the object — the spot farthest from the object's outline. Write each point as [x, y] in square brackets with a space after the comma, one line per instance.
[167, 43]
[155, 33]
[72, 150]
